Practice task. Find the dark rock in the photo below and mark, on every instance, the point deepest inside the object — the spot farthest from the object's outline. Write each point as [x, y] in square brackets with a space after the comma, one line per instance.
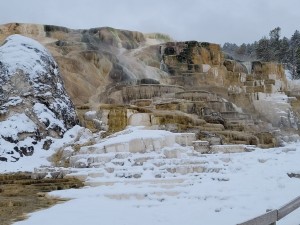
[47, 144]
[10, 139]
[148, 81]
[30, 151]
[16, 148]
[117, 74]
[214, 118]
[15, 158]
[3, 159]
[27, 151]
[205, 44]
[61, 43]
[170, 51]
[47, 122]
[294, 175]
[52, 28]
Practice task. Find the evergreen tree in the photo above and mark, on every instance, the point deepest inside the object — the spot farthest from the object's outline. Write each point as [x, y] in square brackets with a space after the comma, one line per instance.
[241, 50]
[263, 51]
[253, 53]
[272, 48]
[274, 44]
[295, 39]
[249, 49]
[297, 63]
[275, 34]
[294, 55]
[284, 50]
[229, 48]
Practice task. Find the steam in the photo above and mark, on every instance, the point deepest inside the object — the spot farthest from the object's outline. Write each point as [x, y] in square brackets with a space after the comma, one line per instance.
[133, 69]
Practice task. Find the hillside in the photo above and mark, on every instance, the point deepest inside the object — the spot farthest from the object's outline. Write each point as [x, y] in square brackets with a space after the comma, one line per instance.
[117, 73]
[148, 116]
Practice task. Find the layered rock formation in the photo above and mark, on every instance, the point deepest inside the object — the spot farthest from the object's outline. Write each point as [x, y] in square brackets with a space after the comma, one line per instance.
[118, 78]
[222, 101]
[34, 103]
[158, 111]
[90, 60]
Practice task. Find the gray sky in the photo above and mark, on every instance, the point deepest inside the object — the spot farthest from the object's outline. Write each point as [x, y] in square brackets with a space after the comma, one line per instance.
[215, 21]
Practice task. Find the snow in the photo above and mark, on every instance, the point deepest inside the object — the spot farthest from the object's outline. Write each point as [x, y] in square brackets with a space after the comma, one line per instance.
[13, 101]
[288, 75]
[15, 124]
[229, 188]
[276, 108]
[40, 157]
[234, 187]
[133, 133]
[274, 97]
[91, 115]
[22, 53]
[248, 66]
[46, 116]
[206, 68]
[293, 85]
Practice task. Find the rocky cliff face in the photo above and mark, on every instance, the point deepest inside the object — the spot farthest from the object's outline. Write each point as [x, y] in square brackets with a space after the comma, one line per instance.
[186, 86]
[91, 60]
[34, 104]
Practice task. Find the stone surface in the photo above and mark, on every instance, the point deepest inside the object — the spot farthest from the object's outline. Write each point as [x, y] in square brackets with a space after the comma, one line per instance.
[228, 148]
[181, 85]
[201, 146]
[140, 119]
[34, 103]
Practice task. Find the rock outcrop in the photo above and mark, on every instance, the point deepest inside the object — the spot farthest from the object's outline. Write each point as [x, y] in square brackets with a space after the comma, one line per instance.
[34, 103]
[91, 60]
[223, 101]
[129, 78]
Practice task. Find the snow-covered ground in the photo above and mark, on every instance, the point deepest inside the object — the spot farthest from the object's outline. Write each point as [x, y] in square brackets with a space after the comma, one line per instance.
[134, 184]
[145, 177]
[234, 187]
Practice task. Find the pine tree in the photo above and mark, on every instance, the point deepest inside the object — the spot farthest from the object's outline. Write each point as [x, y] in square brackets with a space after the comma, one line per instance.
[263, 51]
[275, 44]
[253, 53]
[297, 64]
[229, 48]
[272, 48]
[284, 50]
[275, 34]
[294, 55]
[241, 50]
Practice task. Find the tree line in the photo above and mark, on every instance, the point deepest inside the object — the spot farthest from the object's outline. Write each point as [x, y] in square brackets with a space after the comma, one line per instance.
[272, 48]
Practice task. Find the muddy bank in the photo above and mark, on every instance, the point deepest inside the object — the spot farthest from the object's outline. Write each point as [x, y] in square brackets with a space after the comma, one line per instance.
[20, 195]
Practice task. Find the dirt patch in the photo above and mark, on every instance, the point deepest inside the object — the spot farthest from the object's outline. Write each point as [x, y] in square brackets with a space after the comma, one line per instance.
[20, 195]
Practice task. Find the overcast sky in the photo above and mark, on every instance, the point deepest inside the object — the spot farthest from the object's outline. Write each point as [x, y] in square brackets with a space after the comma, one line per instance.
[218, 21]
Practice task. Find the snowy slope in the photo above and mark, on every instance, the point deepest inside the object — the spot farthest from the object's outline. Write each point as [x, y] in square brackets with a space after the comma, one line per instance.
[27, 68]
[163, 183]
[42, 157]
[34, 105]
[21, 53]
[237, 187]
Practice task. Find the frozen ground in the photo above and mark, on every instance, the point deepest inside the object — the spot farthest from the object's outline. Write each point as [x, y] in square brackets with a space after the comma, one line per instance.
[243, 186]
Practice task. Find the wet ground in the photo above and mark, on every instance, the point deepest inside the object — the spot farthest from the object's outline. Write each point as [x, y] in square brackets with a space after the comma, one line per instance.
[20, 195]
